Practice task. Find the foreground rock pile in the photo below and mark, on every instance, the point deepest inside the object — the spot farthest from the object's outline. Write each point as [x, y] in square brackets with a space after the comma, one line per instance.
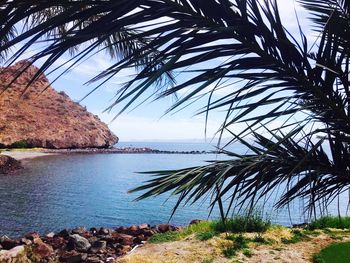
[77, 245]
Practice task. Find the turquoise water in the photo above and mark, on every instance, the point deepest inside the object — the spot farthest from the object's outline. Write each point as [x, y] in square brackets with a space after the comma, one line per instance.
[66, 191]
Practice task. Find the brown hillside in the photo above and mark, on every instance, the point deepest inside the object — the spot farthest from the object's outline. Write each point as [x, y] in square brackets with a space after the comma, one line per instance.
[45, 119]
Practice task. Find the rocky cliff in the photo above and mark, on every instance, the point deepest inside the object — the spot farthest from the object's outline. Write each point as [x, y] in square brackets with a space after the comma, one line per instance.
[35, 117]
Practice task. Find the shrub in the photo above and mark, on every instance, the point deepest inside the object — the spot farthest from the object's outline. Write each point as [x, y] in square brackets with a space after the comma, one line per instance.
[20, 144]
[205, 235]
[330, 222]
[243, 223]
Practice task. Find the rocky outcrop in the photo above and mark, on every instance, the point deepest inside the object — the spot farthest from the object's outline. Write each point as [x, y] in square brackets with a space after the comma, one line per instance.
[8, 164]
[39, 116]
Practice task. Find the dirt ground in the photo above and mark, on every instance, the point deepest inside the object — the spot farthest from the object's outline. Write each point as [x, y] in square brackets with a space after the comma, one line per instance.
[192, 250]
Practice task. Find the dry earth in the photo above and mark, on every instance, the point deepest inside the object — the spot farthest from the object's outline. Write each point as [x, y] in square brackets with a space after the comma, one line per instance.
[192, 250]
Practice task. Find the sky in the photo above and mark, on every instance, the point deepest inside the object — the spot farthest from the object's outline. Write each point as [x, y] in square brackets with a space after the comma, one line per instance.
[147, 122]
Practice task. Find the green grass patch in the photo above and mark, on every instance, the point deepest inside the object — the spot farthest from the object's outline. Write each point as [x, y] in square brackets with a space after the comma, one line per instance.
[242, 223]
[330, 222]
[208, 229]
[203, 231]
[298, 235]
[260, 239]
[165, 237]
[205, 235]
[335, 253]
[247, 252]
[239, 243]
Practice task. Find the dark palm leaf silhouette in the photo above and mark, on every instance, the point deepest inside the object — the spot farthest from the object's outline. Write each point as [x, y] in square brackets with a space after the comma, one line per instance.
[239, 46]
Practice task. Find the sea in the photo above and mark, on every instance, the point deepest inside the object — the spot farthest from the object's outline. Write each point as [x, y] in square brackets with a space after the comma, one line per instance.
[56, 192]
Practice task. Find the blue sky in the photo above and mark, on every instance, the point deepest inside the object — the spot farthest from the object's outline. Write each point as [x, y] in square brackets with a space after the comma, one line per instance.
[147, 121]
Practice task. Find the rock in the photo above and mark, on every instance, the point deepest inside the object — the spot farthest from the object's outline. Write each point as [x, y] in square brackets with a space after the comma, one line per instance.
[14, 255]
[98, 246]
[8, 164]
[64, 233]
[93, 259]
[122, 229]
[32, 235]
[73, 257]
[93, 230]
[139, 239]
[110, 260]
[104, 231]
[26, 241]
[78, 243]
[50, 235]
[80, 231]
[144, 226]
[8, 243]
[51, 120]
[164, 228]
[124, 239]
[195, 221]
[40, 249]
[57, 242]
[147, 233]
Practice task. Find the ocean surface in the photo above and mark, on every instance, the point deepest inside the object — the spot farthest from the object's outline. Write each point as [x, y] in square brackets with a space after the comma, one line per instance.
[66, 191]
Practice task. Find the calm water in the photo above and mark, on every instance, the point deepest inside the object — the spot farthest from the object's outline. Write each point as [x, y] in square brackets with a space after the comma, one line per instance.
[56, 192]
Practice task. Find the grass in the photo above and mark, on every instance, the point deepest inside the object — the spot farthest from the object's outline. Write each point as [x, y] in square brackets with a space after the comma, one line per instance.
[297, 236]
[242, 223]
[335, 253]
[260, 239]
[330, 222]
[239, 243]
[206, 230]
[203, 231]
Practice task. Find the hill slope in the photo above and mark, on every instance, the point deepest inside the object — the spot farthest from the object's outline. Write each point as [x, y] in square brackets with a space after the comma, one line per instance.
[33, 118]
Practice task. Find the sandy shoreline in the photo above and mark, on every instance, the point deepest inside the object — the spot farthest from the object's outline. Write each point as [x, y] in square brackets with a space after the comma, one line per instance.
[21, 155]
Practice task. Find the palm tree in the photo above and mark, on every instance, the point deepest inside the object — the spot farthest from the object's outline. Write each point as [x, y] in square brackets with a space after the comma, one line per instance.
[238, 45]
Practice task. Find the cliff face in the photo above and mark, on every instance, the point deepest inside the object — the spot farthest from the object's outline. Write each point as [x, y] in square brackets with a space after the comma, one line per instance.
[38, 118]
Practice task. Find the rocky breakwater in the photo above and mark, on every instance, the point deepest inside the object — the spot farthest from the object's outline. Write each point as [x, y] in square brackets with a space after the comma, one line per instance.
[39, 116]
[77, 245]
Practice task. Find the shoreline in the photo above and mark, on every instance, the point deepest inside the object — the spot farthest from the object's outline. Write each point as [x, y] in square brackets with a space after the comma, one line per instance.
[22, 154]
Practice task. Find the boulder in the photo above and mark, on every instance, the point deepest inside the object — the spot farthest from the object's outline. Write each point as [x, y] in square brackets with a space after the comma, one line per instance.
[57, 242]
[8, 243]
[98, 246]
[14, 255]
[41, 250]
[73, 257]
[8, 164]
[32, 235]
[164, 228]
[126, 240]
[80, 231]
[78, 243]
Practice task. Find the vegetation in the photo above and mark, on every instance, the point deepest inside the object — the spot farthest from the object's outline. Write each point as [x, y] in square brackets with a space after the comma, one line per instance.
[242, 223]
[290, 91]
[20, 144]
[330, 222]
[203, 231]
[335, 253]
